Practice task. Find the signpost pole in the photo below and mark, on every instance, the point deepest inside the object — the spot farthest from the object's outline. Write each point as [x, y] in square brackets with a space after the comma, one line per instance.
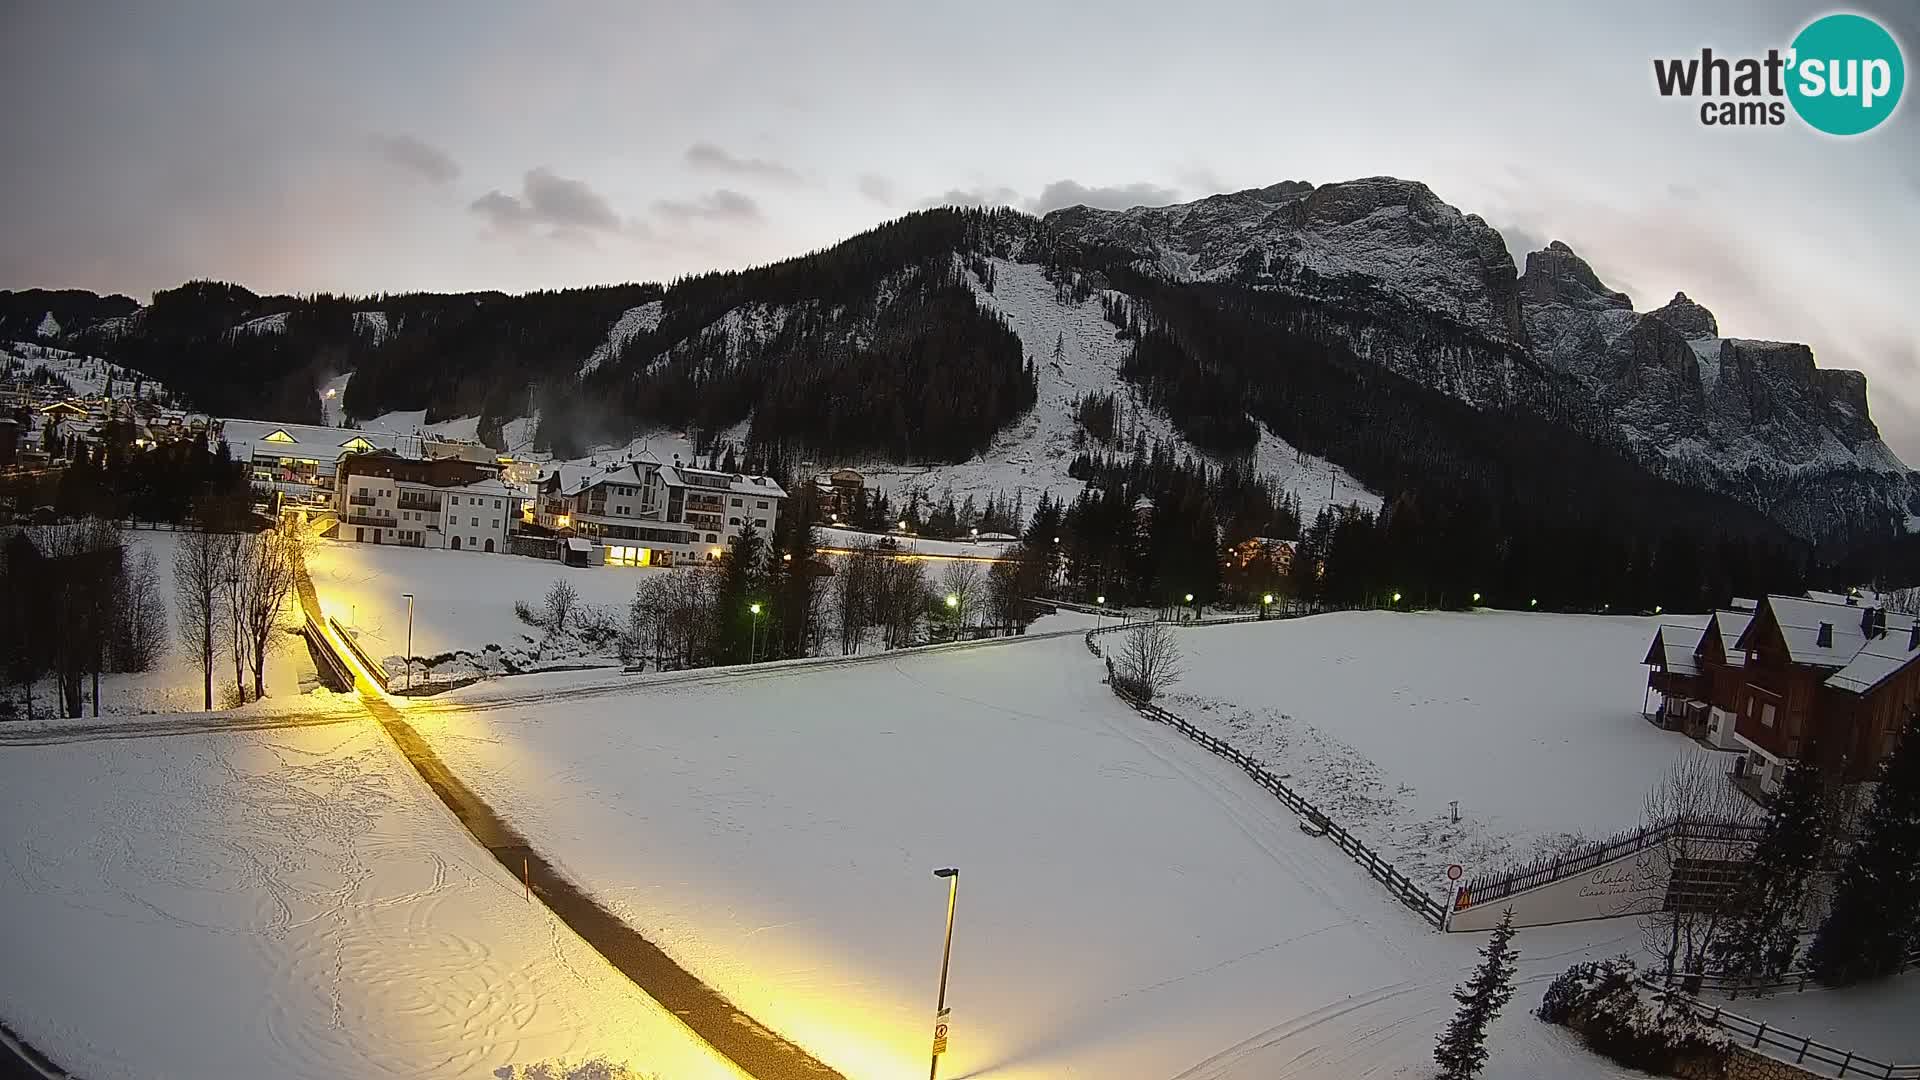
[952, 875]
[1454, 873]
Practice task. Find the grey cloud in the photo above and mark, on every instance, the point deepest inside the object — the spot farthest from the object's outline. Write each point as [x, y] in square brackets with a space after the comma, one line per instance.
[1058, 194]
[548, 199]
[1072, 193]
[722, 205]
[979, 196]
[416, 156]
[1520, 240]
[877, 187]
[710, 158]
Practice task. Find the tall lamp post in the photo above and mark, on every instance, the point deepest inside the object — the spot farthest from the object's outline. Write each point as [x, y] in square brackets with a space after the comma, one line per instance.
[409, 597]
[952, 874]
[753, 639]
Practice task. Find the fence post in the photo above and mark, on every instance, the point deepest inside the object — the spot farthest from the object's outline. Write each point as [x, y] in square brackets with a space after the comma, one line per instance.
[1758, 1035]
[1805, 1041]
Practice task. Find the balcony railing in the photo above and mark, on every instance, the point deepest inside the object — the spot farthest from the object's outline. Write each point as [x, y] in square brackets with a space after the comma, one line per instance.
[361, 500]
[407, 503]
[377, 520]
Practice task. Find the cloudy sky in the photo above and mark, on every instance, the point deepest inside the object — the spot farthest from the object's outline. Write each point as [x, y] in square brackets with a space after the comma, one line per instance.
[362, 148]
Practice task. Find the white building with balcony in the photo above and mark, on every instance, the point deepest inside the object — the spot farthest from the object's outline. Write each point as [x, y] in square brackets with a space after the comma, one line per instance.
[381, 498]
[645, 513]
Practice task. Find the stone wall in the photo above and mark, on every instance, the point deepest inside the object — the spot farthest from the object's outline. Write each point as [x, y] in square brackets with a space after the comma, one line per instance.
[1747, 1064]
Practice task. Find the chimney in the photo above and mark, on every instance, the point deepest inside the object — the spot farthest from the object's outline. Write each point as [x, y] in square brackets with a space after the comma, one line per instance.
[1824, 638]
[1866, 623]
[1852, 599]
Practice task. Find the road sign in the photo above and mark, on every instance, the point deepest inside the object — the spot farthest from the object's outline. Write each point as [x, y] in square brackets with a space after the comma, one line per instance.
[1454, 872]
[939, 1038]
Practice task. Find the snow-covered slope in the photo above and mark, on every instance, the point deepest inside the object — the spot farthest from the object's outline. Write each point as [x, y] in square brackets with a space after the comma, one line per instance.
[1076, 354]
[634, 321]
[88, 376]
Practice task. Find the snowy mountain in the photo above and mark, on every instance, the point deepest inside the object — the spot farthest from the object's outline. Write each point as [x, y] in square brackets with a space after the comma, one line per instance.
[1351, 341]
[1755, 420]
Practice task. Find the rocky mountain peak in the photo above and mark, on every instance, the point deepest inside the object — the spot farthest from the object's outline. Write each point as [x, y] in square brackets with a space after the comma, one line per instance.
[1692, 321]
[1555, 275]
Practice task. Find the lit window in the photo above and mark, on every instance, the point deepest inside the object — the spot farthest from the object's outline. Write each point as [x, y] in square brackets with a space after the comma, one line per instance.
[1766, 715]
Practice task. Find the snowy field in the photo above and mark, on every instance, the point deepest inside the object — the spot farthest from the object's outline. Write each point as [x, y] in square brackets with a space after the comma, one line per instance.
[463, 600]
[1875, 1021]
[1128, 906]
[1531, 721]
[289, 903]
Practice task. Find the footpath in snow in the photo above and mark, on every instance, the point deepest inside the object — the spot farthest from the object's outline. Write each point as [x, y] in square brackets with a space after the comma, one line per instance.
[290, 903]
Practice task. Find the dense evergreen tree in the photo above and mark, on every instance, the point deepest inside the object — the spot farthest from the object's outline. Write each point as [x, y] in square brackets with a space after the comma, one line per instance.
[1763, 934]
[1874, 922]
[1462, 1049]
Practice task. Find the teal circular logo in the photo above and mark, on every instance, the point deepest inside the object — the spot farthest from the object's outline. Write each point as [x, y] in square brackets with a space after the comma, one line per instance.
[1847, 74]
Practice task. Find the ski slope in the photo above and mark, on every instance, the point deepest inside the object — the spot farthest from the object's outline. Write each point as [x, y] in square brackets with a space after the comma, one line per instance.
[292, 904]
[1076, 354]
[1128, 906]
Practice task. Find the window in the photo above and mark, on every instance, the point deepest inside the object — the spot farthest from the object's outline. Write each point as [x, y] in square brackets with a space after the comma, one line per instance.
[736, 502]
[711, 538]
[1766, 715]
[733, 521]
[453, 500]
[476, 523]
[761, 522]
[761, 505]
[472, 541]
[496, 504]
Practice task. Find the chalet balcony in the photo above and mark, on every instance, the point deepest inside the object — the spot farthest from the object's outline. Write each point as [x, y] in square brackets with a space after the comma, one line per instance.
[1678, 684]
[361, 500]
[414, 502]
[380, 521]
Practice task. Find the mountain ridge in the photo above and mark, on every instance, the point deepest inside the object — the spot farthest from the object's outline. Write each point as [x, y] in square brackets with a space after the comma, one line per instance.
[1376, 271]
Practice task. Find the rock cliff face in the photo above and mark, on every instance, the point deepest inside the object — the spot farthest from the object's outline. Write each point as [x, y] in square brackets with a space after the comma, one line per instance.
[1757, 420]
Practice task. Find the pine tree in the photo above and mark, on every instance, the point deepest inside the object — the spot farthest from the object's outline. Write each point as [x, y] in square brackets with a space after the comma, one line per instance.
[1875, 919]
[1462, 1050]
[1764, 934]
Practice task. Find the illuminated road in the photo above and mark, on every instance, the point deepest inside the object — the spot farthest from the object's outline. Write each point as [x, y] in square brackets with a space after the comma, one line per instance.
[751, 1046]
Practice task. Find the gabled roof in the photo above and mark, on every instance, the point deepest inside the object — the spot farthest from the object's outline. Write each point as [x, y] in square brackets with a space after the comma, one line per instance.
[1878, 661]
[313, 441]
[1724, 628]
[1799, 621]
[1673, 648]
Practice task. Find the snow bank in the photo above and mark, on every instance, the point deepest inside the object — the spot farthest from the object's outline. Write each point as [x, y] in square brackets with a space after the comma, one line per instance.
[289, 903]
[1531, 721]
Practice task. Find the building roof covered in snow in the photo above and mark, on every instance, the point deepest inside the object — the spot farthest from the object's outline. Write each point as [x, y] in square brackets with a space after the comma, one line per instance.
[312, 442]
[1673, 648]
[1729, 625]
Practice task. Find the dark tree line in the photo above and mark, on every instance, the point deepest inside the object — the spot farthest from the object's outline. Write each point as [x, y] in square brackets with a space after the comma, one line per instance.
[116, 479]
[72, 607]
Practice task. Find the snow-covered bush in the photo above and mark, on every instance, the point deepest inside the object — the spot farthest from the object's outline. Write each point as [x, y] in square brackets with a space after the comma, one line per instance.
[1601, 1000]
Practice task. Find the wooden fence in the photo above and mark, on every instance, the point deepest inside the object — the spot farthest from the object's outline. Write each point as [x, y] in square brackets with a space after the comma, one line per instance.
[1797, 1049]
[1402, 889]
[1793, 980]
[1487, 888]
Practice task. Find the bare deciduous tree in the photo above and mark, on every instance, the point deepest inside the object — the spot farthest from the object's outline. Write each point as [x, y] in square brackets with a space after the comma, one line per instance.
[1149, 660]
[558, 608]
[1005, 587]
[199, 568]
[964, 582]
[1695, 795]
[262, 580]
[853, 597]
[141, 635]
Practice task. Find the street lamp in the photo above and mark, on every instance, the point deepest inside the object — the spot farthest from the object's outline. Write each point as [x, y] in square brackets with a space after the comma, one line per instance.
[409, 597]
[1266, 604]
[1533, 603]
[952, 874]
[1396, 598]
[753, 639]
[1476, 598]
